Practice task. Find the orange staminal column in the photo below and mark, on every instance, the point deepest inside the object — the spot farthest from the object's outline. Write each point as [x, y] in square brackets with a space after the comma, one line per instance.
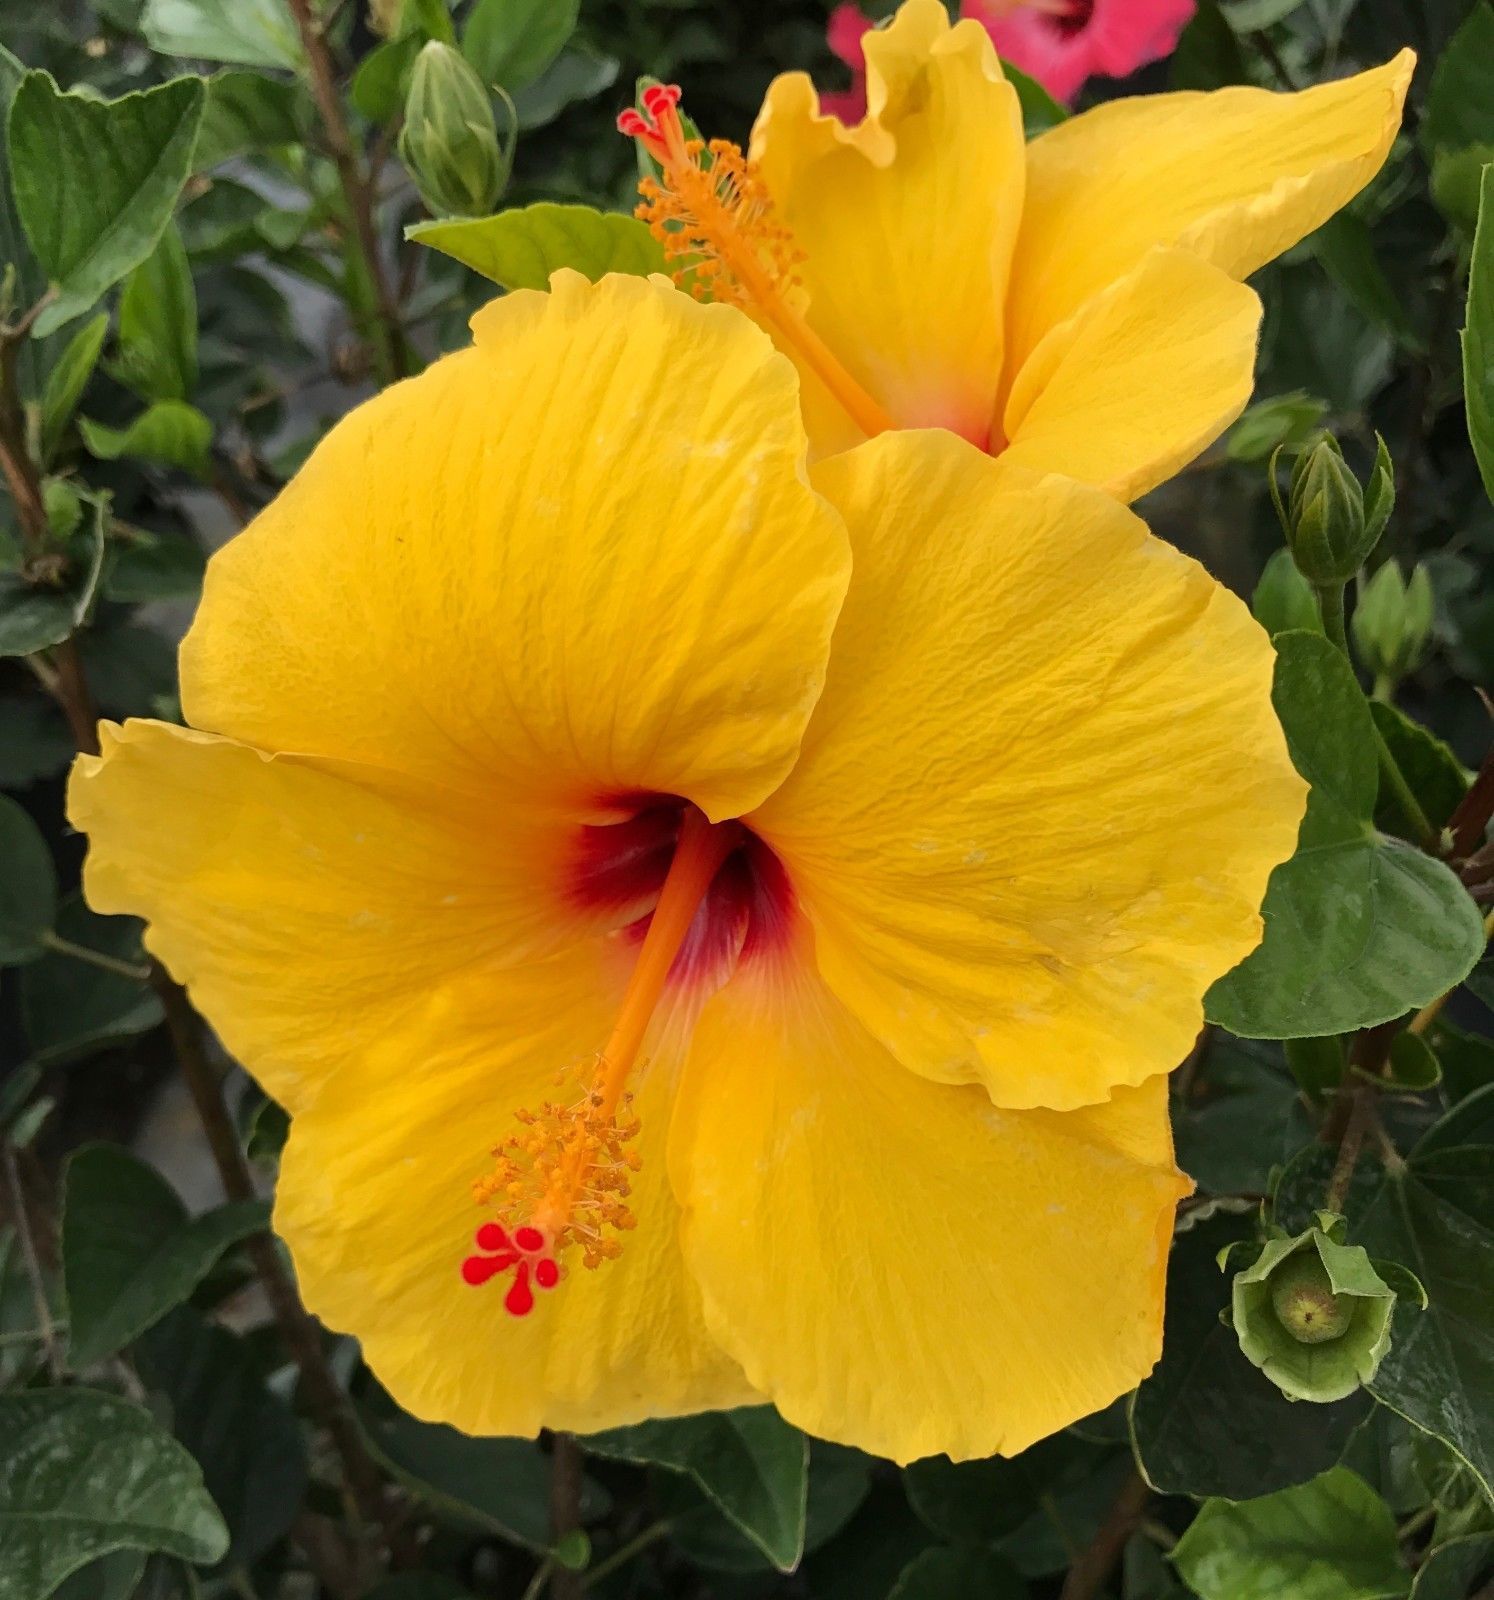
[713, 215]
[563, 1180]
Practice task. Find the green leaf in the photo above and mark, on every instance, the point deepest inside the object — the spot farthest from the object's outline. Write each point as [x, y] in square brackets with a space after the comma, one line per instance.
[1040, 111]
[1451, 1571]
[247, 111]
[576, 74]
[249, 33]
[511, 42]
[1435, 774]
[1241, 1117]
[67, 381]
[247, 1441]
[750, 1463]
[1434, 1215]
[1460, 106]
[1284, 419]
[147, 565]
[383, 76]
[943, 1574]
[520, 249]
[28, 886]
[499, 1485]
[130, 1252]
[1208, 54]
[1331, 1539]
[1478, 335]
[34, 741]
[1360, 928]
[1283, 599]
[1346, 248]
[90, 221]
[168, 433]
[1207, 1422]
[112, 1577]
[70, 1007]
[84, 1473]
[158, 324]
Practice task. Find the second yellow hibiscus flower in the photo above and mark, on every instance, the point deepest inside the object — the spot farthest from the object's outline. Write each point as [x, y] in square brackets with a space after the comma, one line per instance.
[1075, 303]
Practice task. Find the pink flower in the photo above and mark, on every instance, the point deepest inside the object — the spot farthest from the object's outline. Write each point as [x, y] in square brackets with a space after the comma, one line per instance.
[1060, 43]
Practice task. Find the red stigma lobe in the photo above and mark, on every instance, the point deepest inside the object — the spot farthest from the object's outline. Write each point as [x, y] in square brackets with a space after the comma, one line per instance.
[527, 1253]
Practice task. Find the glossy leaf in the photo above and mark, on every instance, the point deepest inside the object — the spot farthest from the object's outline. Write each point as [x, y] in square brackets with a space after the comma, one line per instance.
[146, 565]
[520, 249]
[169, 433]
[1460, 107]
[1359, 928]
[157, 354]
[511, 42]
[751, 1464]
[1207, 1422]
[71, 1007]
[84, 1473]
[247, 1440]
[1478, 334]
[247, 111]
[251, 33]
[499, 1485]
[91, 221]
[1331, 1539]
[130, 1252]
[941, 1574]
[1436, 776]
[67, 381]
[576, 74]
[28, 886]
[1452, 1571]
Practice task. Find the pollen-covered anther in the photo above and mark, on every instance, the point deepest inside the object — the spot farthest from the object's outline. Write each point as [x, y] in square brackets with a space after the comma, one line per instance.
[565, 1175]
[709, 209]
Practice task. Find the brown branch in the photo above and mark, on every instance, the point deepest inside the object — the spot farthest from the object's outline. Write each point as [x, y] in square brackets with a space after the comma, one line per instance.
[565, 1510]
[1468, 822]
[1362, 1116]
[31, 1260]
[1088, 1575]
[323, 1393]
[356, 187]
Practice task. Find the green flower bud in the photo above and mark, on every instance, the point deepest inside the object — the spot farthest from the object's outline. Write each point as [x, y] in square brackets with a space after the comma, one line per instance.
[1313, 1314]
[1333, 522]
[1393, 622]
[450, 137]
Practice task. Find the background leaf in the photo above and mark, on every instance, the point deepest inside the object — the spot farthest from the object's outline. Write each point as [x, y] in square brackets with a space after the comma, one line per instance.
[89, 220]
[520, 249]
[1478, 334]
[254, 33]
[511, 42]
[84, 1473]
[28, 886]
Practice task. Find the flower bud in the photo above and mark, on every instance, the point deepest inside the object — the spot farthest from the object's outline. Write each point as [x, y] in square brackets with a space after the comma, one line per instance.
[1333, 522]
[1393, 622]
[1314, 1313]
[450, 137]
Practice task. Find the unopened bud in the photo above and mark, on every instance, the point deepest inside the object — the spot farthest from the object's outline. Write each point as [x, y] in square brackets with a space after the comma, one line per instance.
[1333, 522]
[1314, 1313]
[1393, 622]
[450, 138]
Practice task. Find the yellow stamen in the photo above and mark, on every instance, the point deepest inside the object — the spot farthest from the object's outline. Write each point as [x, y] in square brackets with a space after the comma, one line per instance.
[714, 216]
[566, 1172]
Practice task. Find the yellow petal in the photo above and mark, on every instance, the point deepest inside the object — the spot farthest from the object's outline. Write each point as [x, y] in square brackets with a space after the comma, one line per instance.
[354, 940]
[906, 222]
[1149, 373]
[898, 1265]
[1040, 798]
[310, 908]
[580, 558]
[373, 1201]
[1236, 176]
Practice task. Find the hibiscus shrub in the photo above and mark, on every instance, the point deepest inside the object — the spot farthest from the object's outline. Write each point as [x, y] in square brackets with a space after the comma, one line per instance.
[225, 223]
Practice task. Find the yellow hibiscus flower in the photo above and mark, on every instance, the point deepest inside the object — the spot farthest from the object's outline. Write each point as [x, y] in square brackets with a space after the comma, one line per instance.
[1074, 303]
[589, 813]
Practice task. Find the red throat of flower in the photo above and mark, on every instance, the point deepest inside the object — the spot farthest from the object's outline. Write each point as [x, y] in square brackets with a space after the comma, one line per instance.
[561, 1184]
[713, 214]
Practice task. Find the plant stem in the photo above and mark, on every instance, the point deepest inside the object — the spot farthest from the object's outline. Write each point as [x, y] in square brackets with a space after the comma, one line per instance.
[1331, 604]
[1469, 821]
[565, 1509]
[1273, 56]
[94, 958]
[29, 1257]
[323, 1393]
[1356, 1130]
[356, 189]
[536, 1585]
[625, 1553]
[1086, 1578]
